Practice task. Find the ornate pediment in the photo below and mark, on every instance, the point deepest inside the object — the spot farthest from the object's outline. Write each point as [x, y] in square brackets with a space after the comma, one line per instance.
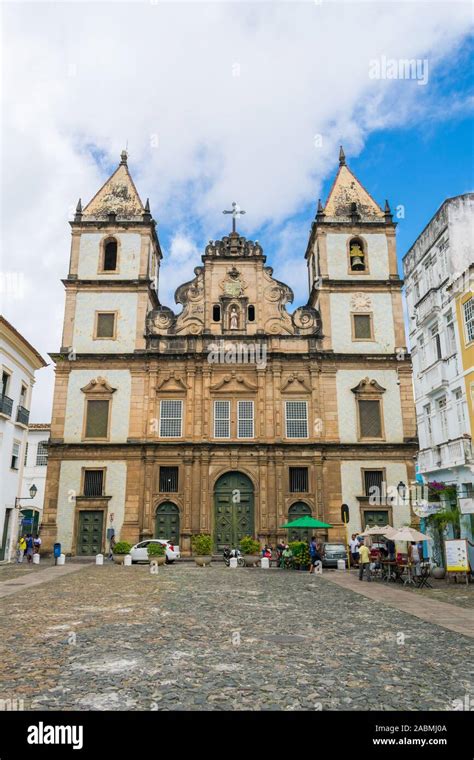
[295, 384]
[234, 245]
[172, 382]
[234, 383]
[98, 387]
[233, 285]
[368, 388]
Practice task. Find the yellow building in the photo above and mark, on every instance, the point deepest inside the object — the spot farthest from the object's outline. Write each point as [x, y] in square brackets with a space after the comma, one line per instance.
[235, 413]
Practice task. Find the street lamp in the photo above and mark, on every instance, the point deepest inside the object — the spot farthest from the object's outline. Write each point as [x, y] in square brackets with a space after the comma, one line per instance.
[33, 492]
[402, 490]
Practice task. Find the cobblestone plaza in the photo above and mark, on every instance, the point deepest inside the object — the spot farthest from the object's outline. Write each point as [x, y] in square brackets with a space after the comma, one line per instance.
[188, 638]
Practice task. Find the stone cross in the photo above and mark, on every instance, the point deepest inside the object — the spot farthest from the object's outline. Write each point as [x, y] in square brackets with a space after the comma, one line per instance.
[236, 211]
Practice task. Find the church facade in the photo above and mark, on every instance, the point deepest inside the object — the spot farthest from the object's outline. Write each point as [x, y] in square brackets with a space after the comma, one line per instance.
[234, 413]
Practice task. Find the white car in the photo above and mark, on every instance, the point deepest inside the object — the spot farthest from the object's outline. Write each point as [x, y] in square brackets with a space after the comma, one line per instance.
[139, 552]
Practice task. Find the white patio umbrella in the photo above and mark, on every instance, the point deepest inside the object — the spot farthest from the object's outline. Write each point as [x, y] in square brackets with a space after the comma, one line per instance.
[409, 534]
[377, 530]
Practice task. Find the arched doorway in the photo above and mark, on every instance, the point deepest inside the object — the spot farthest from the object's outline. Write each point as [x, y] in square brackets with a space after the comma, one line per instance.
[167, 522]
[297, 510]
[233, 509]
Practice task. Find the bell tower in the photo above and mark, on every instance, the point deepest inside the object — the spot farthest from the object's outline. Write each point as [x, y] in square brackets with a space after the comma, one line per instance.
[352, 270]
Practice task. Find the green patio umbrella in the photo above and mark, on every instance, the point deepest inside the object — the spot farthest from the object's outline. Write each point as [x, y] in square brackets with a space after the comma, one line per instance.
[306, 522]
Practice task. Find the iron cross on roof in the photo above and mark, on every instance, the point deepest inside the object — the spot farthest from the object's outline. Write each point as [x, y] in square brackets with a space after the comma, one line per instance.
[236, 211]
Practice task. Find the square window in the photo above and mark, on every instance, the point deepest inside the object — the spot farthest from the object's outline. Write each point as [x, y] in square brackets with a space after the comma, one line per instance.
[299, 480]
[221, 419]
[97, 422]
[245, 419]
[171, 417]
[93, 482]
[296, 419]
[105, 325]
[370, 420]
[168, 479]
[362, 326]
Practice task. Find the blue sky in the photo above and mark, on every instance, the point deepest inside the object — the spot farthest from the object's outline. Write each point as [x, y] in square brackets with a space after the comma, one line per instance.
[222, 106]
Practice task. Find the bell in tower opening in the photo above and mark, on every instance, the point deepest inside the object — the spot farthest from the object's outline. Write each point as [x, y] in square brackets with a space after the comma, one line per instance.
[357, 256]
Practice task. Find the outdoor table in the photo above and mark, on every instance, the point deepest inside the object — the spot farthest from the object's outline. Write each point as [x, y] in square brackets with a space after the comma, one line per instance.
[409, 579]
[387, 566]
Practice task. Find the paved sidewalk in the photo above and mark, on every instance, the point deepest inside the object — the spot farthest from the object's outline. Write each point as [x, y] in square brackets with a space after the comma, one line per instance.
[440, 613]
[22, 582]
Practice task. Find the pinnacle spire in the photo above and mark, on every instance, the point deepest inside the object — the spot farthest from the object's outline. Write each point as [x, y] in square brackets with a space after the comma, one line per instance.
[78, 215]
[342, 156]
[123, 157]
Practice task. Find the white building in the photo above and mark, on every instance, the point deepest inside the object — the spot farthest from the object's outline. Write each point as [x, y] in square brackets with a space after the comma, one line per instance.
[433, 268]
[19, 361]
[34, 474]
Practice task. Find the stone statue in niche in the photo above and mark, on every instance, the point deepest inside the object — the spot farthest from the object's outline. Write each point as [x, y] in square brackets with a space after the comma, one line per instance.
[234, 319]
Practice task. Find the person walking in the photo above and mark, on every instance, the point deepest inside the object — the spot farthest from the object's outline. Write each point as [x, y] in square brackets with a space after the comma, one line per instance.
[30, 548]
[37, 544]
[364, 562]
[21, 549]
[314, 553]
[354, 547]
[111, 548]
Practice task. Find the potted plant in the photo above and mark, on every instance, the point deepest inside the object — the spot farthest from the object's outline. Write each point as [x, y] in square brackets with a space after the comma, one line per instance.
[202, 549]
[250, 550]
[300, 553]
[120, 550]
[156, 553]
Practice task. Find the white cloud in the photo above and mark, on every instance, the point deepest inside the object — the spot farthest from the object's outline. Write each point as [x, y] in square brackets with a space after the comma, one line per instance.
[83, 75]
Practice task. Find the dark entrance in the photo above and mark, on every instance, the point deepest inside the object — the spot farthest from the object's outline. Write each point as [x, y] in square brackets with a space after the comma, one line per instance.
[6, 524]
[233, 509]
[89, 536]
[297, 510]
[167, 522]
[29, 521]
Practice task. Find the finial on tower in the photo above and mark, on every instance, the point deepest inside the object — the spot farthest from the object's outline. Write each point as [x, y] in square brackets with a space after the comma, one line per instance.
[388, 213]
[320, 212]
[123, 157]
[342, 157]
[78, 215]
[147, 213]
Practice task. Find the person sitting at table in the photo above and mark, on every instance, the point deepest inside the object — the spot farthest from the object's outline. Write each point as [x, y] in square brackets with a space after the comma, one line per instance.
[391, 549]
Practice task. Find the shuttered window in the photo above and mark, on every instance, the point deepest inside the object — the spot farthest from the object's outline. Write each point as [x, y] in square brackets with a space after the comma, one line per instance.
[296, 419]
[373, 479]
[171, 416]
[370, 422]
[93, 482]
[221, 419]
[245, 419]
[168, 479]
[105, 325]
[97, 422]
[362, 326]
[299, 480]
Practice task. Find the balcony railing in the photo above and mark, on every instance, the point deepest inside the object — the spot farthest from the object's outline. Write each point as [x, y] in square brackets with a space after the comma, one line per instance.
[22, 415]
[429, 305]
[6, 405]
[453, 454]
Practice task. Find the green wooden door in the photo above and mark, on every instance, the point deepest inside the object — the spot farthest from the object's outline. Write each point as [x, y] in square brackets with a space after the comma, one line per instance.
[167, 522]
[378, 518]
[297, 510]
[89, 537]
[233, 510]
